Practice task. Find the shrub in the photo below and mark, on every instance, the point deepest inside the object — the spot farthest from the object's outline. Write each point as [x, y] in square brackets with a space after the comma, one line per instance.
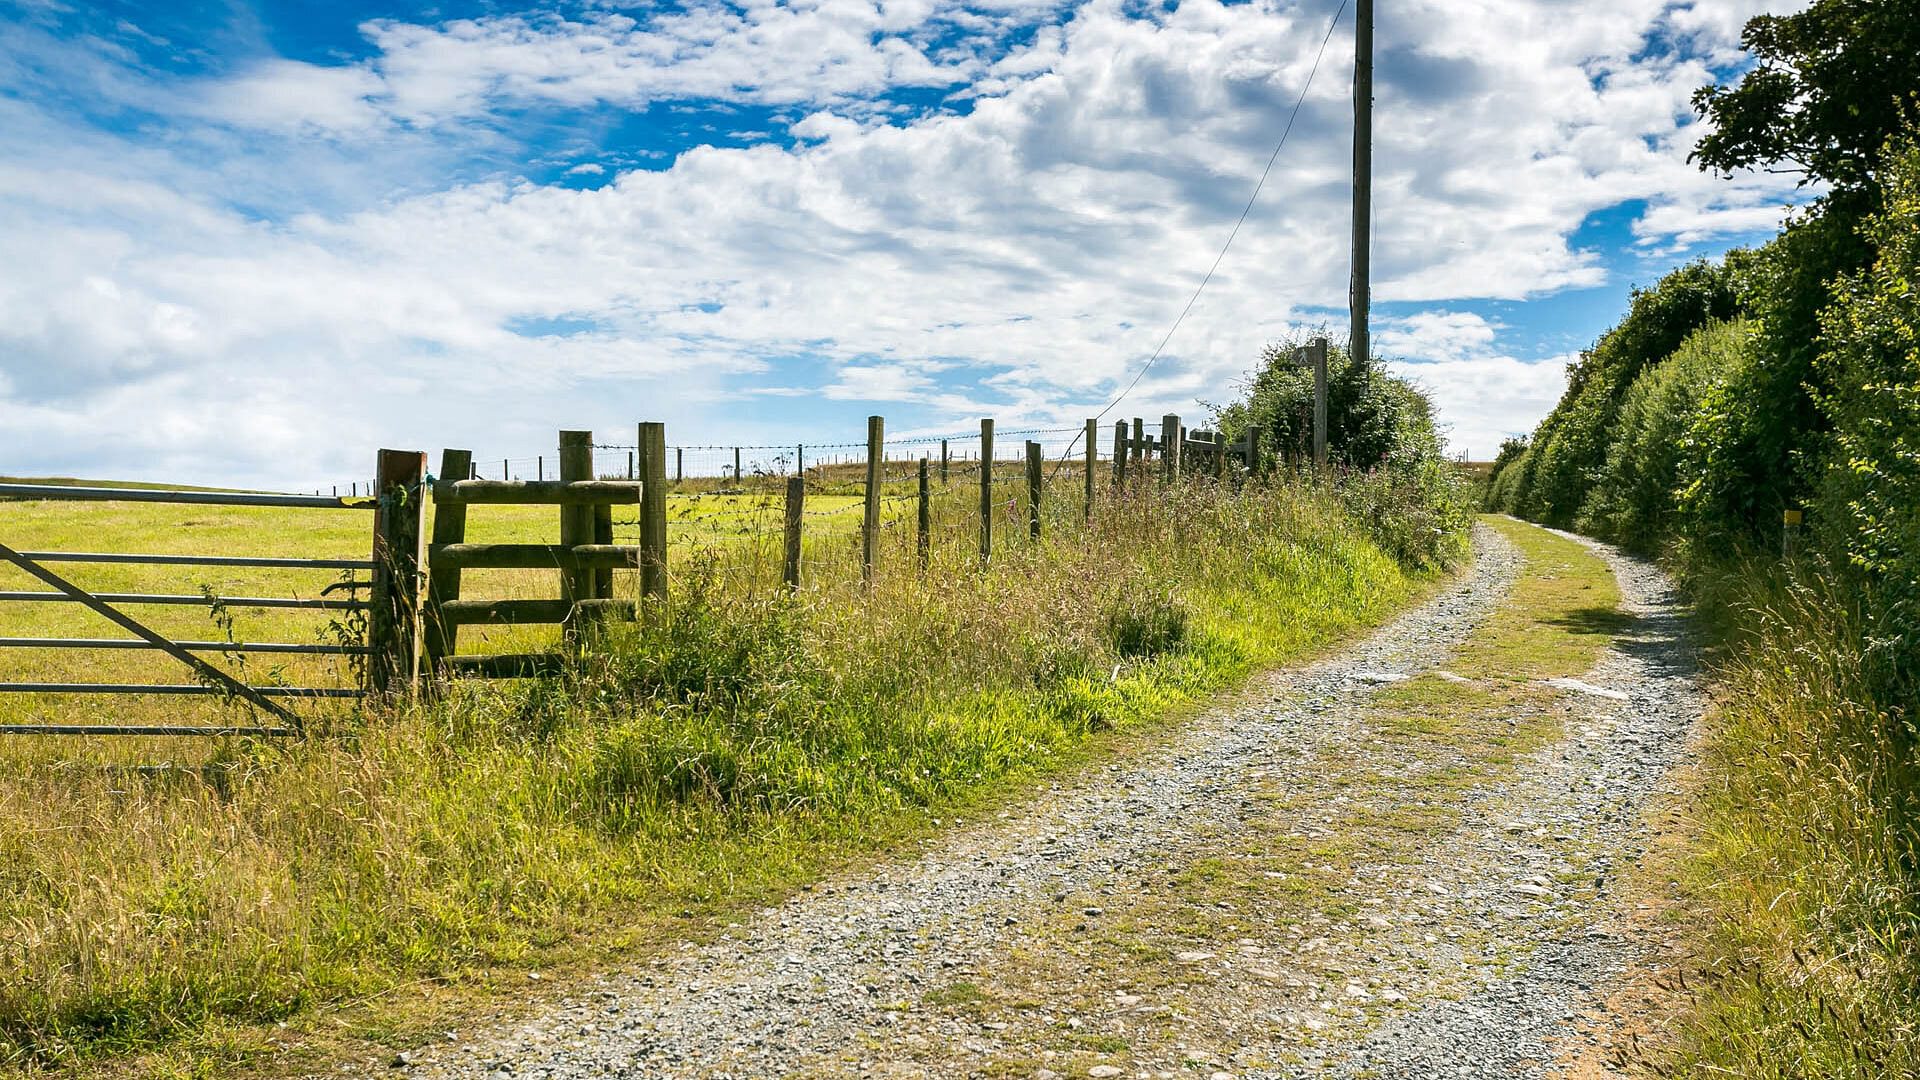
[1634, 501]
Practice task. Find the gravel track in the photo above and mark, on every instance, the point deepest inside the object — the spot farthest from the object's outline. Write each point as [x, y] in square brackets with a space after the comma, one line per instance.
[818, 986]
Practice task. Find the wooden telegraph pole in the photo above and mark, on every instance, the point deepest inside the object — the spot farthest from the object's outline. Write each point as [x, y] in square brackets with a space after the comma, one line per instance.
[1362, 177]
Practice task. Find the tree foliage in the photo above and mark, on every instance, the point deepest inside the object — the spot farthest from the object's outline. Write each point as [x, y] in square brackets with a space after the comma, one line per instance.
[1831, 85]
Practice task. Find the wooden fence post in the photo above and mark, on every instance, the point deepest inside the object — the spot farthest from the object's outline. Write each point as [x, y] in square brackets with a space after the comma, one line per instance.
[737, 479]
[1035, 484]
[576, 527]
[943, 463]
[443, 582]
[923, 542]
[870, 525]
[1220, 456]
[1119, 452]
[800, 459]
[393, 619]
[1139, 439]
[1318, 351]
[1170, 447]
[796, 510]
[653, 510]
[1253, 451]
[986, 492]
[1093, 458]
[679, 464]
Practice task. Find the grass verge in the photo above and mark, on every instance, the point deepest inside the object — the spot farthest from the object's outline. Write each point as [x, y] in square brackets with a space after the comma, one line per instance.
[726, 749]
[1800, 887]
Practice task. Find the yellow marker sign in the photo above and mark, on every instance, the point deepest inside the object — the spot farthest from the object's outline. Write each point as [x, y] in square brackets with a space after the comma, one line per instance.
[1791, 517]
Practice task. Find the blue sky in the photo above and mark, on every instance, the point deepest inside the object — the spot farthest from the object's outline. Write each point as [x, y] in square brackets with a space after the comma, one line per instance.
[251, 242]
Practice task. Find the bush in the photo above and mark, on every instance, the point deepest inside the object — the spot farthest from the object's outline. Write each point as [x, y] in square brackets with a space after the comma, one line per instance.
[1867, 512]
[1633, 502]
[1569, 449]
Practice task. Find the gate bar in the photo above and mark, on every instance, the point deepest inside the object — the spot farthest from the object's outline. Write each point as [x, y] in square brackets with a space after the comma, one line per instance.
[198, 560]
[182, 598]
[194, 646]
[171, 689]
[64, 493]
[135, 729]
[128, 623]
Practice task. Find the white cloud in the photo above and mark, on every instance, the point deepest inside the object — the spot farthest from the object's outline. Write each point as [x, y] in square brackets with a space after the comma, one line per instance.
[1032, 250]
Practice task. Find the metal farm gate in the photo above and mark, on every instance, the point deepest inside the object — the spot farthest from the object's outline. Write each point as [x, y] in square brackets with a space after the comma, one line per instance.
[371, 587]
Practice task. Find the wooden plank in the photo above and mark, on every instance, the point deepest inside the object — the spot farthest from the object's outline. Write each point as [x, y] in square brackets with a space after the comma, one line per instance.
[535, 557]
[1317, 355]
[443, 577]
[796, 511]
[986, 492]
[1170, 443]
[537, 492]
[526, 612]
[870, 521]
[653, 509]
[128, 623]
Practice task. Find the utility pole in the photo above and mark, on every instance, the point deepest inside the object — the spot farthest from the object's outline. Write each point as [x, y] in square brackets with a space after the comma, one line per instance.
[1360, 296]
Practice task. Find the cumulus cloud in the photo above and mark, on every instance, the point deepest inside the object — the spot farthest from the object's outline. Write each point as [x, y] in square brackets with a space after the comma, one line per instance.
[1018, 258]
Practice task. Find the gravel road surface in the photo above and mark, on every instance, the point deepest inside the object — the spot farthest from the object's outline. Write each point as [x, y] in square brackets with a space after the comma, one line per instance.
[1116, 924]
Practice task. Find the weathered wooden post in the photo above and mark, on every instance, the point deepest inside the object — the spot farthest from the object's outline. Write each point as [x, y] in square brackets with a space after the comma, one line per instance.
[1093, 458]
[870, 525]
[1220, 456]
[653, 509]
[737, 479]
[986, 492]
[1253, 451]
[1170, 447]
[923, 540]
[576, 528]
[679, 464]
[1317, 352]
[1119, 452]
[943, 463]
[800, 459]
[443, 582]
[1139, 439]
[1789, 532]
[1035, 483]
[393, 624]
[796, 510]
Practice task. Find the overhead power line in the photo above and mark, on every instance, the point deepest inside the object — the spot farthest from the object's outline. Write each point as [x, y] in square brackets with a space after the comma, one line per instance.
[1235, 231]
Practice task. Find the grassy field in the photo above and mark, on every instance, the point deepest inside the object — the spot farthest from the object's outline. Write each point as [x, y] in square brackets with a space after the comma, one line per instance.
[727, 747]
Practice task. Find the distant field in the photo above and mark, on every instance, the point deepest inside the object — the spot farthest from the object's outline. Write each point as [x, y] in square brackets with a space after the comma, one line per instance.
[699, 525]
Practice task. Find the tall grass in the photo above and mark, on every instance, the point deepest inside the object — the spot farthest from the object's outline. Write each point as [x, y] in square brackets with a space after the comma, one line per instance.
[732, 743]
[1809, 862]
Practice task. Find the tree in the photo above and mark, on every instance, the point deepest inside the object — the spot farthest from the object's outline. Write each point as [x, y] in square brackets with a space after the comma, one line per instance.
[1832, 85]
